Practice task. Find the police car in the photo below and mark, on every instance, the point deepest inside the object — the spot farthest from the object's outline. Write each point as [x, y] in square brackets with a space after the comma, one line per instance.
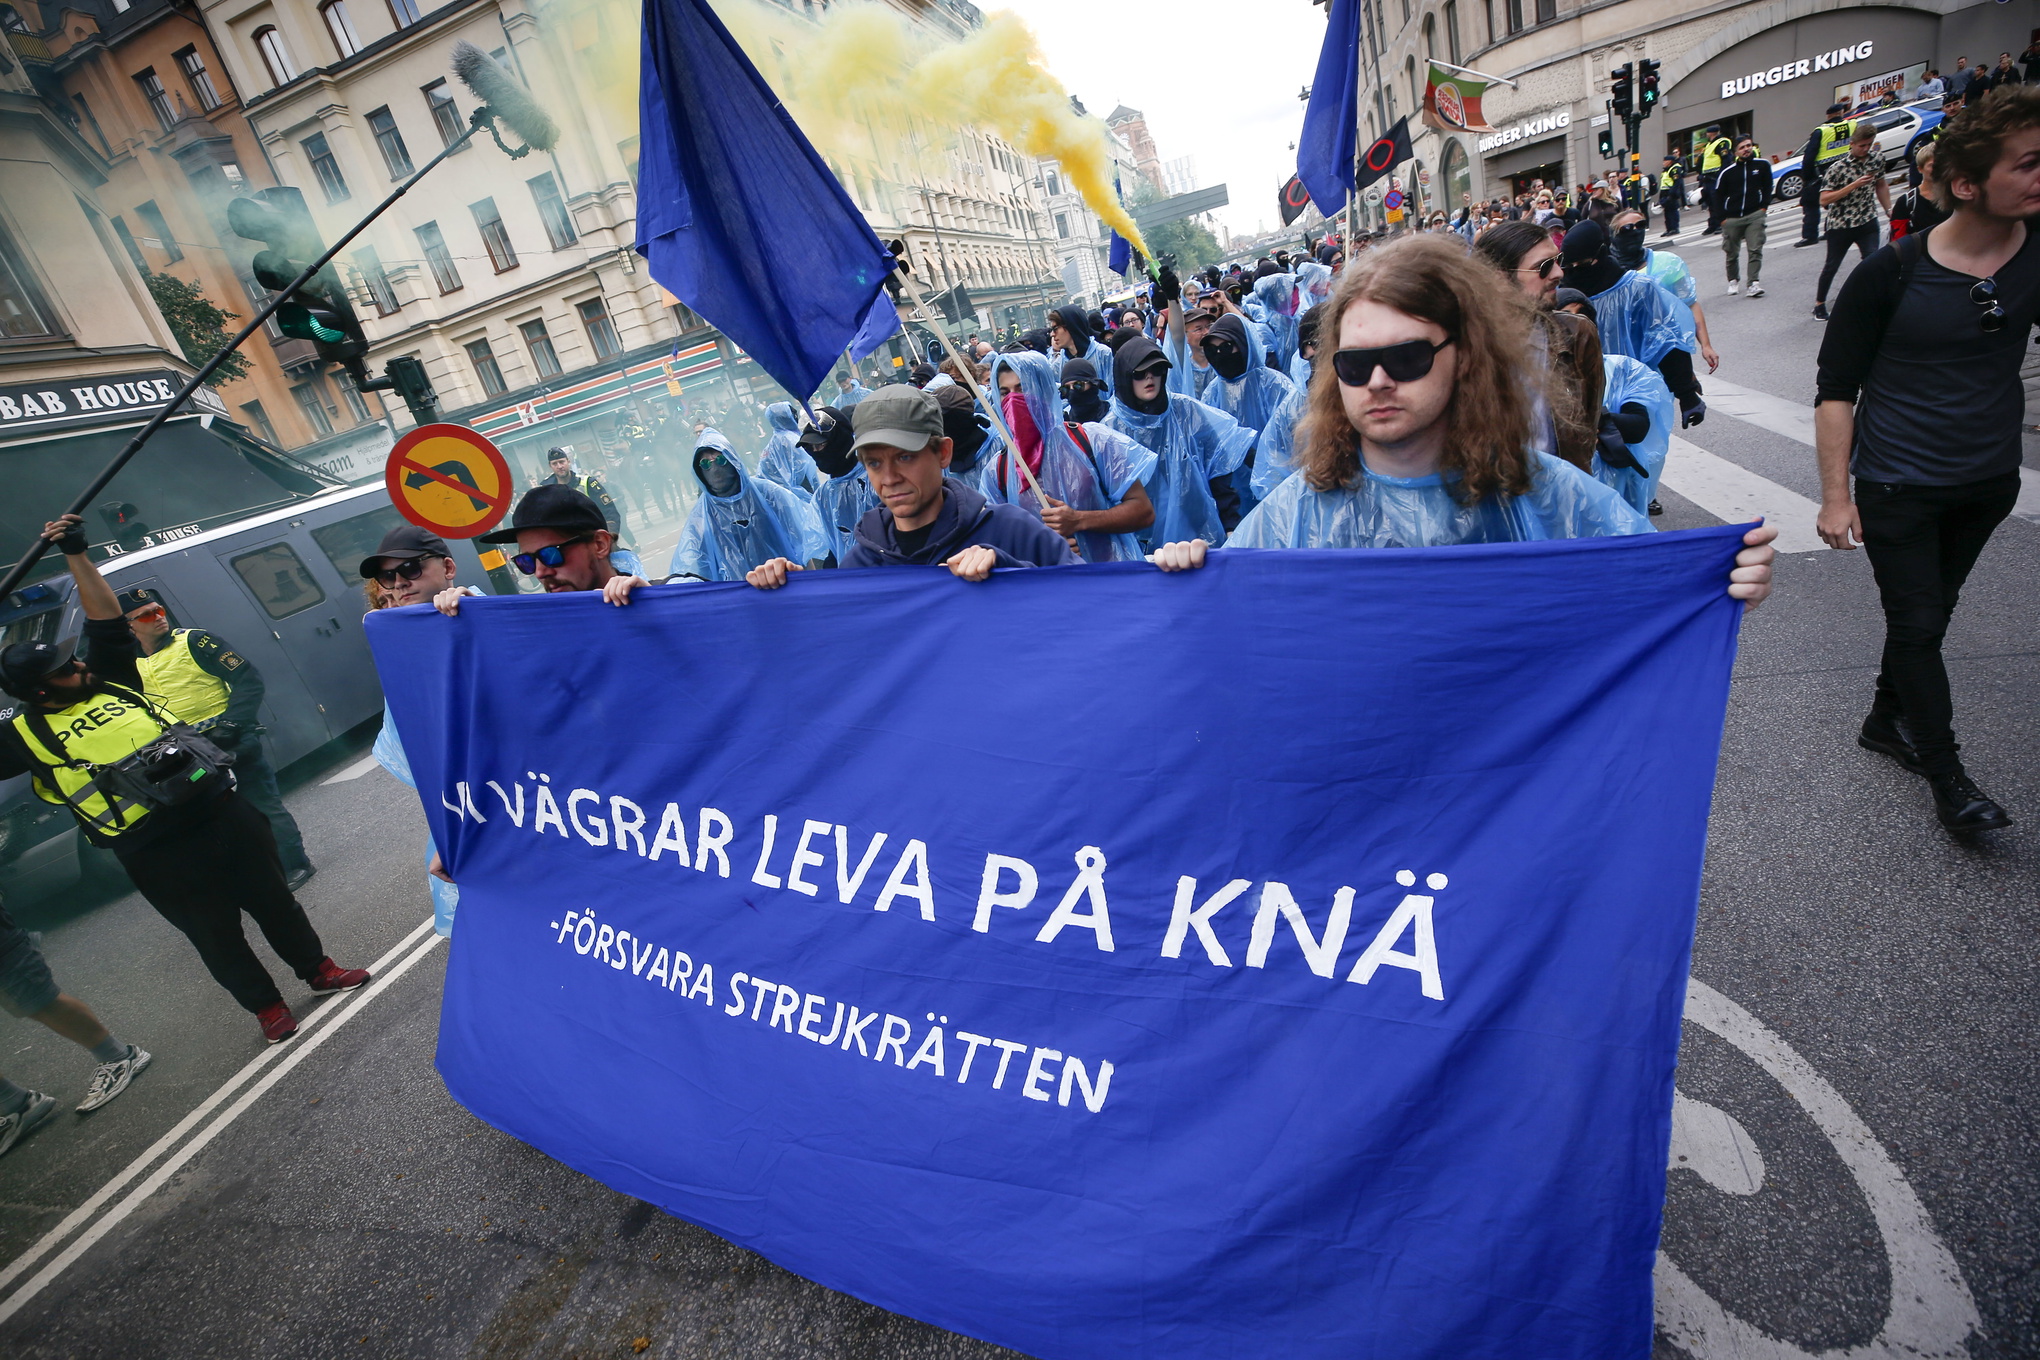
[1901, 131]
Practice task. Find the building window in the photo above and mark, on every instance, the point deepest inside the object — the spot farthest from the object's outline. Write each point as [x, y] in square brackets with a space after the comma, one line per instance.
[1547, 10]
[494, 237]
[552, 210]
[258, 421]
[376, 281]
[405, 12]
[1410, 75]
[325, 168]
[357, 405]
[23, 315]
[127, 242]
[541, 346]
[1514, 11]
[484, 360]
[1452, 31]
[198, 78]
[1062, 226]
[307, 395]
[438, 258]
[158, 97]
[601, 330]
[390, 142]
[340, 27]
[445, 114]
[282, 70]
[166, 240]
[1430, 37]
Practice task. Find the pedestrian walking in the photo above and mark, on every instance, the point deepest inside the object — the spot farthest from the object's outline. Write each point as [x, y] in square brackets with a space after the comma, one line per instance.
[196, 850]
[1928, 338]
[1851, 191]
[1743, 192]
[29, 991]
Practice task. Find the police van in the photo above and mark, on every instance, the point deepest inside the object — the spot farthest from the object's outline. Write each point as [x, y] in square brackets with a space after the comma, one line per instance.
[282, 588]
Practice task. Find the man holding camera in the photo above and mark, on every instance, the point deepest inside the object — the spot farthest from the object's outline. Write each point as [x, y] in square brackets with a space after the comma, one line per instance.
[197, 851]
[206, 683]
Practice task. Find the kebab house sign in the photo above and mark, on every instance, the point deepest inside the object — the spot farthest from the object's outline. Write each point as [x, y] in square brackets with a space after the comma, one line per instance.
[101, 399]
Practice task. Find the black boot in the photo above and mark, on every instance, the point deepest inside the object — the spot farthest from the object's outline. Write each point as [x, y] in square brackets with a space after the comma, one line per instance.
[1963, 808]
[1881, 733]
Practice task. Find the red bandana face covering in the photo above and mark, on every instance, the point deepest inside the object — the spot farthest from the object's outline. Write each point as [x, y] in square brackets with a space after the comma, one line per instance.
[1020, 421]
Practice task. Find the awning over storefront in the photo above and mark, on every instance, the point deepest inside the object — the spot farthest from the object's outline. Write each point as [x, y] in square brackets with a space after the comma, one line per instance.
[691, 366]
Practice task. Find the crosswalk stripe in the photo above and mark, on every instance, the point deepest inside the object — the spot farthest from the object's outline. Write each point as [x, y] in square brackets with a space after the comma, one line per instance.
[1732, 493]
[1792, 419]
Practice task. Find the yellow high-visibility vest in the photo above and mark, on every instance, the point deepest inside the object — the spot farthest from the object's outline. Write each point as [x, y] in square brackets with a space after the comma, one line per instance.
[172, 677]
[108, 726]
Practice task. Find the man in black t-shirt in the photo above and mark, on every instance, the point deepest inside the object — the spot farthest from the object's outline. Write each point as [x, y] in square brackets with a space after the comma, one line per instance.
[1919, 396]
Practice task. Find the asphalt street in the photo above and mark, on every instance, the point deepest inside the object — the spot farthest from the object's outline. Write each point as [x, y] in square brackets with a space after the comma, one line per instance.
[1856, 1159]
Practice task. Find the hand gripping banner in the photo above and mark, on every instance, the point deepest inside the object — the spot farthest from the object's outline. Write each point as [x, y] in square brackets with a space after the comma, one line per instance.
[1278, 959]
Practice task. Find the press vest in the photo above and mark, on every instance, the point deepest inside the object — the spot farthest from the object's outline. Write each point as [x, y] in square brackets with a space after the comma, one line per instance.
[1715, 152]
[97, 731]
[172, 677]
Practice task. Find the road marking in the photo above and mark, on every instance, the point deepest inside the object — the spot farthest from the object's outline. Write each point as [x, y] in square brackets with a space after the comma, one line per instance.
[354, 771]
[1793, 419]
[1713, 1145]
[1732, 493]
[183, 1126]
[1931, 1313]
[2028, 508]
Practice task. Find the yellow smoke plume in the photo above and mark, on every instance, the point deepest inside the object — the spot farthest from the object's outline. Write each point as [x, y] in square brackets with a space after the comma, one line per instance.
[871, 90]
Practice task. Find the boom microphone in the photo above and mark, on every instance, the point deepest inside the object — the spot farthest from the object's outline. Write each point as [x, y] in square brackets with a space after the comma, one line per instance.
[505, 98]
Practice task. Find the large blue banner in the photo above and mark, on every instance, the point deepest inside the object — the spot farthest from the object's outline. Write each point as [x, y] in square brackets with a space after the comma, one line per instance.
[1279, 959]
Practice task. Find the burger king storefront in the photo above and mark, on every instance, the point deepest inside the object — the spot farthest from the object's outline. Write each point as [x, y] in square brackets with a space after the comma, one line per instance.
[1524, 151]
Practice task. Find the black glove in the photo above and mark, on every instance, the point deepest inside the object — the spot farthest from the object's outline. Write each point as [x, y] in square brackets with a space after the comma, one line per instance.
[225, 735]
[1691, 412]
[74, 543]
[1168, 288]
[1614, 448]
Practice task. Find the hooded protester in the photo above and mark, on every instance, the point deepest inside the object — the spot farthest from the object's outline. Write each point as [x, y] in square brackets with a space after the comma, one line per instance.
[1275, 450]
[1245, 388]
[741, 520]
[1300, 364]
[1095, 488]
[1190, 373]
[972, 439]
[846, 495]
[1313, 285]
[1625, 244]
[1196, 447]
[1280, 306]
[849, 391]
[1636, 315]
[1069, 333]
[1084, 392]
[785, 462]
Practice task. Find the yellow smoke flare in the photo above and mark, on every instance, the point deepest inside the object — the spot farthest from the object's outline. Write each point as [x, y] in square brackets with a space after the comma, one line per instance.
[870, 91]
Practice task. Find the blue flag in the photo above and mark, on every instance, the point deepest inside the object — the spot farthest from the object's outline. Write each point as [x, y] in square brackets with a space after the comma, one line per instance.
[1324, 153]
[738, 216]
[1312, 991]
[881, 324]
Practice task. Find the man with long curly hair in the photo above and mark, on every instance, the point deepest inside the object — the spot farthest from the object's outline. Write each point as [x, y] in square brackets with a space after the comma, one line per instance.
[1425, 439]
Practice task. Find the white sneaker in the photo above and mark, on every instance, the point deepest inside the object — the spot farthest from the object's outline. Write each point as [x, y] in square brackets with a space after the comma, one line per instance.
[110, 1079]
[1733, 287]
[17, 1126]
[1756, 290]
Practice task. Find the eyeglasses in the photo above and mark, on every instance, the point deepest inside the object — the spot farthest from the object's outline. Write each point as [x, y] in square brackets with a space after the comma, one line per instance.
[551, 555]
[1077, 389]
[407, 569]
[149, 613]
[1541, 270]
[1406, 362]
[1985, 295]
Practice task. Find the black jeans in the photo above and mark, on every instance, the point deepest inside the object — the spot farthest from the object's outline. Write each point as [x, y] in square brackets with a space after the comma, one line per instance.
[203, 875]
[256, 779]
[1922, 541]
[1809, 209]
[1862, 237]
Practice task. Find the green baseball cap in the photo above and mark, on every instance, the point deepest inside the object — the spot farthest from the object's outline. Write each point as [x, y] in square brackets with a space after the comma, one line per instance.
[899, 415]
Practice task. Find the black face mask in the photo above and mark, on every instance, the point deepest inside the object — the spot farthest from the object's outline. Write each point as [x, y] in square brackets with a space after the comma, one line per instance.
[966, 430]
[1225, 347]
[712, 466]
[828, 441]
[1626, 245]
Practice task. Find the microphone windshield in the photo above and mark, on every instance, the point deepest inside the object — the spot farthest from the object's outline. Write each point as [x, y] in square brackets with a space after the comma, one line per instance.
[506, 99]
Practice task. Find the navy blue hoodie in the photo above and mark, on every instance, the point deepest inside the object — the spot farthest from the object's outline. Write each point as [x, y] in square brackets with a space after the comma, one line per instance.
[967, 520]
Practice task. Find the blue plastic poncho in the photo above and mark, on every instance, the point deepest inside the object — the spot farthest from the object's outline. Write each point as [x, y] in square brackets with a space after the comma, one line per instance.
[845, 400]
[1097, 482]
[785, 461]
[1630, 381]
[1099, 356]
[1675, 278]
[389, 753]
[1313, 285]
[1279, 309]
[1252, 400]
[1275, 454]
[726, 536]
[840, 503]
[1299, 369]
[1639, 318]
[1419, 512]
[1187, 377]
[1192, 443]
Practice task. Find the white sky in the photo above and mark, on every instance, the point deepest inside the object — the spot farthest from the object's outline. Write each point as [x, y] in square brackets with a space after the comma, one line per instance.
[1151, 54]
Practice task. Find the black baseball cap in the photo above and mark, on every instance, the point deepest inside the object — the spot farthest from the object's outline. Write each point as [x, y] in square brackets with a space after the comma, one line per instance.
[139, 598]
[406, 540]
[551, 507]
[25, 665]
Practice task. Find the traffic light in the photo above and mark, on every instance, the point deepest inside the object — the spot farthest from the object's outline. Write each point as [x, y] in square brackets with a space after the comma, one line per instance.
[1646, 86]
[1622, 88]
[1607, 142]
[407, 375]
[320, 311]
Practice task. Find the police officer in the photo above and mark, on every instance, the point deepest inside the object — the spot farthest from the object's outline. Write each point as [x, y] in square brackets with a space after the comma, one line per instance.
[199, 863]
[201, 679]
[1824, 143]
[563, 474]
[1713, 159]
[1672, 193]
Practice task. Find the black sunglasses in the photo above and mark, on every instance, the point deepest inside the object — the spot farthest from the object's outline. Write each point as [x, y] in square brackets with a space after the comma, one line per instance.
[1407, 362]
[1543, 271]
[407, 569]
[1985, 295]
[1078, 388]
[552, 555]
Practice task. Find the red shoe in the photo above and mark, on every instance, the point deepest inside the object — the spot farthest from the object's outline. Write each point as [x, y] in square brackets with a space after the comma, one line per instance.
[331, 977]
[278, 1023]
